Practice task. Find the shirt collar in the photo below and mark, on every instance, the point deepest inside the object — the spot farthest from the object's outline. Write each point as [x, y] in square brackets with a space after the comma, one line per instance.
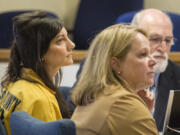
[28, 73]
[156, 77]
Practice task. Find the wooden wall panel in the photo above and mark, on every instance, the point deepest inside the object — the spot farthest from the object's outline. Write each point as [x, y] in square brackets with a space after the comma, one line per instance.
[78, 55]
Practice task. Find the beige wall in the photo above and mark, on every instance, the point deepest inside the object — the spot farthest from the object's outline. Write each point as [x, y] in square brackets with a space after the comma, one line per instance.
[67, 9]
[166, 5]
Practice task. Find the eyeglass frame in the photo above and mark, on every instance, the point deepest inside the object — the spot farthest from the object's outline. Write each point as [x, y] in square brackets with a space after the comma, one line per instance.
[159, 40]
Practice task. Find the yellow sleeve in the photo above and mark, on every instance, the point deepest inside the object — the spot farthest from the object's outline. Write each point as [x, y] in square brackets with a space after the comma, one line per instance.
[39, 106]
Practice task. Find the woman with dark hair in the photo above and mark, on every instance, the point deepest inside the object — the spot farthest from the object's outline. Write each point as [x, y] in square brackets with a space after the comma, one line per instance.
[40, 48]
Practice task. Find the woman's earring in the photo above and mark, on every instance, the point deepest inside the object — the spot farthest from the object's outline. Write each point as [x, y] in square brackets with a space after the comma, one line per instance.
[119, 73]
[21, 64]
[42, 60]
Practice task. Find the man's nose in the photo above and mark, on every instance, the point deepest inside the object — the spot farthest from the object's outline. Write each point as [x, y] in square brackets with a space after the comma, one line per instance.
[162, 46]
[152, 62]
[71, 44]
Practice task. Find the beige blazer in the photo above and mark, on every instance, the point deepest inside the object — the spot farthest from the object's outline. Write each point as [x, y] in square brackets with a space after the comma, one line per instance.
[121, 113]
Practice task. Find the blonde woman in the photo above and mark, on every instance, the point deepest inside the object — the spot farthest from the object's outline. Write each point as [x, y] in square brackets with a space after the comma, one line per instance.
[117, 66]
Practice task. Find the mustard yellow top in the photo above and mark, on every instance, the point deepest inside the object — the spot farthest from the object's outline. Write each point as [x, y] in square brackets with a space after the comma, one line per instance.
[34, 98]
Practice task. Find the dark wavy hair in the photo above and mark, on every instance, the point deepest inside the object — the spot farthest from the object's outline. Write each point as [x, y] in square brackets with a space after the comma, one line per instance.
[33, 32]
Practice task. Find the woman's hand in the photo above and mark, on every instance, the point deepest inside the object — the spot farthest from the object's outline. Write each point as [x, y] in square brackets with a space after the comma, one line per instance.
[148, 98]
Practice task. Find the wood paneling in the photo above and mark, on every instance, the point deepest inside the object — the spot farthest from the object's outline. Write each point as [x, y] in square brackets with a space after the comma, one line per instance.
[78, 55]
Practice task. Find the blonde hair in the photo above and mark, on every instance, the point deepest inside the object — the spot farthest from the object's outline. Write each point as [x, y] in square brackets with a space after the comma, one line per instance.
[97, 75]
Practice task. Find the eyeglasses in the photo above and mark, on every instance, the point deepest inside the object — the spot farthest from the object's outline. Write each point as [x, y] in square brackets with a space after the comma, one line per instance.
[158, 40]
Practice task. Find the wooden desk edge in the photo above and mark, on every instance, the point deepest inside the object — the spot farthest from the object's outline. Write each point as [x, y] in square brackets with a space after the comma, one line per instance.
[78, 55]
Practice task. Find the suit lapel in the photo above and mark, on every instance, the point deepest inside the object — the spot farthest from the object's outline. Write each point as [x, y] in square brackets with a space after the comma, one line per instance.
[165, 83]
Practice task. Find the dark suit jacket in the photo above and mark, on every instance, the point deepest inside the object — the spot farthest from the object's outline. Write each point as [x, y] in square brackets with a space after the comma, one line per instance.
[168, 80]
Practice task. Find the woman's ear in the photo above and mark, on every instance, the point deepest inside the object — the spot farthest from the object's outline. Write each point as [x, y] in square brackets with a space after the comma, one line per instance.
[115, 64]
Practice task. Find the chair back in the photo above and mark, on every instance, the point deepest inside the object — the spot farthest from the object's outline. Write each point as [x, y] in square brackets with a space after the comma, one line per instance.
[65, 91]
[6, 26]
[2, 129]
[125, 18]
[175, 18]
[21, 123]
[95, 15]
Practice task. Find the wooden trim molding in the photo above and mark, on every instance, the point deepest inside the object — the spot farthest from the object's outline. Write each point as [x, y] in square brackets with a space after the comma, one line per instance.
[175, 56]
[78, 55]
[4, 55]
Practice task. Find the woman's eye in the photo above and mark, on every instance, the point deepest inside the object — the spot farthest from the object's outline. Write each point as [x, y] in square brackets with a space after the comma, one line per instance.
[59, 40]
[144, 54]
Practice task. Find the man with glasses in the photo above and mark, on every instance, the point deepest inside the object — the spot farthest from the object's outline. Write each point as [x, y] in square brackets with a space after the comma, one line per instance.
[167, 77]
